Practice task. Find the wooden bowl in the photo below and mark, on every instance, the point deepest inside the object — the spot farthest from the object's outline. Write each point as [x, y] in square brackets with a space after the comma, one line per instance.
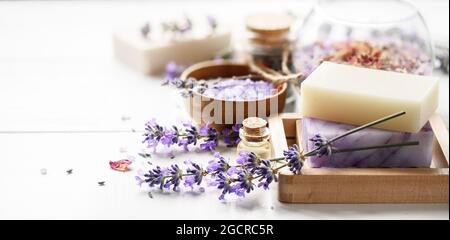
[224, 112]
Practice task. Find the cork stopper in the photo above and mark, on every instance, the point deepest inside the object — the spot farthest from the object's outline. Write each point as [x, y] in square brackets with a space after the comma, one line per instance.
[255, 129]
[269, 23]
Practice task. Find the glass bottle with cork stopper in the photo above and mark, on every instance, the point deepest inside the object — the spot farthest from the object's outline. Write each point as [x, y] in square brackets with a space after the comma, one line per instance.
[255, 136]
[268, 37]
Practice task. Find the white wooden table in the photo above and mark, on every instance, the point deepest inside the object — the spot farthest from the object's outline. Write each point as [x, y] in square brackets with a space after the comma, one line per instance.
[63, 98]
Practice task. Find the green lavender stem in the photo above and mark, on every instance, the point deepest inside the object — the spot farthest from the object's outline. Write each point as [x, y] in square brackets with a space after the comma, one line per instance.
[381, 120]
[277, 159]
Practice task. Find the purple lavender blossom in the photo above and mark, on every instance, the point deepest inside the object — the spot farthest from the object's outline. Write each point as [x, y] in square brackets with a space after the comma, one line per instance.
[184, 143]
[153, 177]
[174, 176]
[217, 165]
[236, 127]
[153, 134]
[169, 137]
[248, 160]
[266, 173]
[322, 146]
[211, 137]
[224, 183]
[243, 184]
[294, 159]
[208, 145]
[233, 170]
[139, 180]
[173, 71]
[231, 135]
[189, 181]
[188, 135]
[191, 133]
[196, 175]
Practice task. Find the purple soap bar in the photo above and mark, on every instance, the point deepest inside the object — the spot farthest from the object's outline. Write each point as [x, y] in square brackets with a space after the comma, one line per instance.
[407, 156]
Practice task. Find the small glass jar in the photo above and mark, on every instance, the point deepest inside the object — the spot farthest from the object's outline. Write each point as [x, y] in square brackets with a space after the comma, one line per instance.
[268, 36]
[255, 137]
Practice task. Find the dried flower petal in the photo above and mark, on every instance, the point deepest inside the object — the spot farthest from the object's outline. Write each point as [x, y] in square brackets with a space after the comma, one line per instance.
[121, 165]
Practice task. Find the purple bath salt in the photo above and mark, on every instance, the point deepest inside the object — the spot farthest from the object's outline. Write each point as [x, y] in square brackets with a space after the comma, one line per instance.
[239, 89]
[404, 157]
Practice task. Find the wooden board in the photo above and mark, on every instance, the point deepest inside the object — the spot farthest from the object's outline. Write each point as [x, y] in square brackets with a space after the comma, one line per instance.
[362, 185]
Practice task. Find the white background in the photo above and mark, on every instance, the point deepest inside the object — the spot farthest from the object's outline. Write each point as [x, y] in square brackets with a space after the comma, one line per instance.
[63, 97]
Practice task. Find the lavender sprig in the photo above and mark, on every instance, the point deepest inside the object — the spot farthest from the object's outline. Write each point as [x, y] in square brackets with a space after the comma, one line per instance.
[237, 179]
[325, 147]
[376, 122]
[187, 135]
[250, 170]
[187, 86]
[246, 87]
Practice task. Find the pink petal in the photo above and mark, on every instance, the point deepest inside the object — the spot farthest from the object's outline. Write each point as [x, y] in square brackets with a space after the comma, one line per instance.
[121, 165]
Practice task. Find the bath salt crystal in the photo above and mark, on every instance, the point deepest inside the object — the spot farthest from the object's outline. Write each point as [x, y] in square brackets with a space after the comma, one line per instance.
[239, 89]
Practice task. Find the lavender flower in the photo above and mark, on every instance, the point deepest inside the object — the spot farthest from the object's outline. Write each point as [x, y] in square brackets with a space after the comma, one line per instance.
[217, 165]
[156, 134]
[210, 135]
[169, 137]
[195, 174]
[153, 177]
[173, 71]
[243, 184]
[191, 135]
[224, 183]
[174, 176]
[268, 175]
[153, 134]
[231, 135]
[139, 180]
[248, 160]
[322, 146]
[294, 159]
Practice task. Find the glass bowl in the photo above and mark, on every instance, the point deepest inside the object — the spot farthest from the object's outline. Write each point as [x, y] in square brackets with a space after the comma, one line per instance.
[381, 34]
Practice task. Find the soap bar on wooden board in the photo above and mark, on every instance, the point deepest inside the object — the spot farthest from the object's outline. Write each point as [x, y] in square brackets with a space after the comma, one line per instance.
[151, 57]
[402, 157]
[356, 95]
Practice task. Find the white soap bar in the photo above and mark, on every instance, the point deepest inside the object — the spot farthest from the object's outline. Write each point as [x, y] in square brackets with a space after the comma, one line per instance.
[355, 95]
[151, 57]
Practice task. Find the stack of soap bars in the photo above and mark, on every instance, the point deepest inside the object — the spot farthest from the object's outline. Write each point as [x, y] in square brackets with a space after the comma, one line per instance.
[337, 97]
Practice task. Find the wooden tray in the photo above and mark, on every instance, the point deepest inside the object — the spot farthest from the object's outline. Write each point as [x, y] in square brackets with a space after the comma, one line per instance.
[362, 185]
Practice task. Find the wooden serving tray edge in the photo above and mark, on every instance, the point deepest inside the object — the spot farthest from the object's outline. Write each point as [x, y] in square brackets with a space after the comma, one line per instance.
[362, 185]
